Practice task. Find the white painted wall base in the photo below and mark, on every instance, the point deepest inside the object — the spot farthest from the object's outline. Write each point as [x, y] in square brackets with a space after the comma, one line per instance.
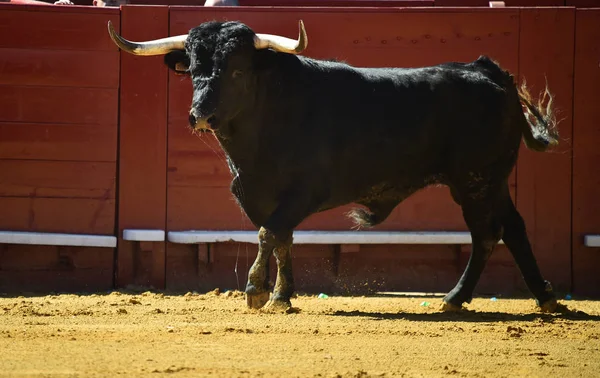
[327, 237]
[48, 238]
[591, 240]
[144, 235]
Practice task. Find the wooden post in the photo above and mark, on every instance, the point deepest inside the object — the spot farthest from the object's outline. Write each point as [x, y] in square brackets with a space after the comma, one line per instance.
[586, 155]
[544, 179]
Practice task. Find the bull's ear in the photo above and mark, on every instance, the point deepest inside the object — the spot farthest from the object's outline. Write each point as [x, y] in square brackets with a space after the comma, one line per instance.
[178, 61]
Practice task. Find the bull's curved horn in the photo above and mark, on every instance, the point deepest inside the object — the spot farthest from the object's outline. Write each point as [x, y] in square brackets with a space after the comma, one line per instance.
[282, 44]
[154, 47]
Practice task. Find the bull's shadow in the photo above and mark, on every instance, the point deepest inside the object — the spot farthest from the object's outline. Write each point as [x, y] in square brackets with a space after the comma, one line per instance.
[471, 316]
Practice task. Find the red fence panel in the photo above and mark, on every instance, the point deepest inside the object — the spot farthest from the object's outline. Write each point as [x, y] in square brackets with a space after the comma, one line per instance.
[586, 155]
[64, 87]
[58, 142]
[143, 143]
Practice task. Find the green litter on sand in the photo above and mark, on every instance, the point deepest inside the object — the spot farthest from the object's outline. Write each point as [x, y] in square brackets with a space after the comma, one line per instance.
[323, 296]
[424, 304]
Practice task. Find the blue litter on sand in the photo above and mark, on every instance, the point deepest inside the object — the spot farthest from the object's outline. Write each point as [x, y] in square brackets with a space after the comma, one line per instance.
[568, 297]
[493, 299]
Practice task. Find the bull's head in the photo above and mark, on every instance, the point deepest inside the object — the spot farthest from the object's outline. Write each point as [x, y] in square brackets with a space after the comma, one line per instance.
[222, 58]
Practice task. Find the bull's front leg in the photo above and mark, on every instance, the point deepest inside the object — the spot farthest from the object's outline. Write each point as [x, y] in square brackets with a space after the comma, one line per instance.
[257, 289]
[284, 285]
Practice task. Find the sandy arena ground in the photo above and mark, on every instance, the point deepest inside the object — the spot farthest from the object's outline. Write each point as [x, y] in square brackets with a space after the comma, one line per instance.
[214, 334]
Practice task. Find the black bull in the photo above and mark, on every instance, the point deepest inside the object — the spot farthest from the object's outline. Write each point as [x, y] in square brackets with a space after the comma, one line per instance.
[303, 135]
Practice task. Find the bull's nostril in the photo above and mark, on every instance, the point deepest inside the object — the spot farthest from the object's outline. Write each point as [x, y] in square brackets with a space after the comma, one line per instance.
[192, 120]
[212, 121]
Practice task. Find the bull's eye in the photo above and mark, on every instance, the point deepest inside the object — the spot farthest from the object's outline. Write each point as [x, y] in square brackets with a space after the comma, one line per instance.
[236, 73]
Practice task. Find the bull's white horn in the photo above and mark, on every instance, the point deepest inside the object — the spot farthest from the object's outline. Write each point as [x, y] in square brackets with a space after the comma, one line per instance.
[282, 44]
[155, 47]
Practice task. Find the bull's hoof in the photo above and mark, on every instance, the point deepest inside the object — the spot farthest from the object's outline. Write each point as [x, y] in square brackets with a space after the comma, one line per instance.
[449, 307]
[279, 306]
[257, 301]
[549, 306]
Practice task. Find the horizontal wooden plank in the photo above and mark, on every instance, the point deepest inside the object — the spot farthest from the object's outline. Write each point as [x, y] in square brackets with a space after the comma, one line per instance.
[58, 179]
[197, 169]
[47, 2]
[582, 3]
[65, 215]
[59, 104]
[508, 3]
[336, 3]
[52, 30]
[302, 3]
[58, 142]
[63, 68]
[72, 9]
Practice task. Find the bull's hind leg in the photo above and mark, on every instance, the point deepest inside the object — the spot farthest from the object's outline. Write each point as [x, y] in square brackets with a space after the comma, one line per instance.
[515, 238]
[479, 201]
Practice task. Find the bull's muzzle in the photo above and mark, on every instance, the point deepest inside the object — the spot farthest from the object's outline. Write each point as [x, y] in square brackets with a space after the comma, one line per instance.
[202, 123]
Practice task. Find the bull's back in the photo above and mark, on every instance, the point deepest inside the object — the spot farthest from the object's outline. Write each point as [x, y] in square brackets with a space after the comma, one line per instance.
[406, 124]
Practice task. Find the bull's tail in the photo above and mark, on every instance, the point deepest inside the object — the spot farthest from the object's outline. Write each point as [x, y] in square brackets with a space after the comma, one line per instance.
[539, 130]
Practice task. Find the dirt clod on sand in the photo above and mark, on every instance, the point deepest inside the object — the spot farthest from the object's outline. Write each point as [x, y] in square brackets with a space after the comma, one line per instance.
[146, 333]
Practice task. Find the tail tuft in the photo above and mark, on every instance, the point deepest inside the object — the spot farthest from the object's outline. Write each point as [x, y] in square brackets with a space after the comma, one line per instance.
[362, 218]
[541, 130]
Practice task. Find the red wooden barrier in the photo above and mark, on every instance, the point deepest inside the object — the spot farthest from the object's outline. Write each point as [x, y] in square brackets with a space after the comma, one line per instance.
[58, 150]
[586, 155]
[142, 162]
